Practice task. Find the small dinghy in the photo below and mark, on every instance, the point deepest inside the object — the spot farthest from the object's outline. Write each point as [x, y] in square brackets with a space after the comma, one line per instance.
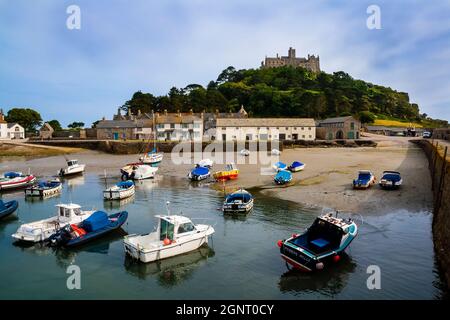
[244, 152]
[238, 201]
[174, 235]
[391, 180]
[15, 180]
[138, 171]
[364, 181]
[41, 230]
[7, 208]
[207, 163]
[121, 190]
[275, 152]
[94, 227]
[199, 173]
[323, 243]
[44, 189]
[152, 158]
[73, 167]
[279, 166]
[283, 177]
[231, 172]
[296, 166]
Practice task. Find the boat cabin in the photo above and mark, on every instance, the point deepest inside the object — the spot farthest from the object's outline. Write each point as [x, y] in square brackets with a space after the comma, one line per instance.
[71, 163]
[324, 235]
[238, 197]
[173, 227]
[67, 212]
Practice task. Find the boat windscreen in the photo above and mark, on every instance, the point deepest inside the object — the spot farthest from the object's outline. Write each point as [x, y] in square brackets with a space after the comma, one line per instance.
[166, 230]
[244, 197]
[392, 177]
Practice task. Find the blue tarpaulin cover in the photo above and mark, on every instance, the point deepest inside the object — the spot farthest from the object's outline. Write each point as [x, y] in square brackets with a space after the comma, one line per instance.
[280, 165]
[296, 164]
[125, 184]
[12, 175]
[200, 171]
[283, 176]
[96, 221]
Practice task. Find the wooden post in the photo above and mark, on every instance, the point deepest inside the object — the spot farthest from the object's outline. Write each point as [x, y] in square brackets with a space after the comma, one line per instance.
[441, 180]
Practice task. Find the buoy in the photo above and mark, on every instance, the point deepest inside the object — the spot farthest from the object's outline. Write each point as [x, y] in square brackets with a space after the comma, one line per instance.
[280, 243]
[319, 265]
[166, 241]
[294, 235]
[336, 258]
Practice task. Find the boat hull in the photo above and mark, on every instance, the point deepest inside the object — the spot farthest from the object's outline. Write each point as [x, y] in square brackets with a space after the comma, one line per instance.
[8, 208]
[226, 175]
[238, 208]
[17, 183]
[118, 194]
[72, 170]
[42, 193]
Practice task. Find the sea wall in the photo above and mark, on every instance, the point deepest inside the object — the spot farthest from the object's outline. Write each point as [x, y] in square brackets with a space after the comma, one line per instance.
[440, 176]
[134, 147]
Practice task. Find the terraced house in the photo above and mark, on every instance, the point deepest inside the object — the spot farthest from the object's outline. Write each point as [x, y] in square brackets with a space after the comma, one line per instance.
[179, 126]
[254, 129]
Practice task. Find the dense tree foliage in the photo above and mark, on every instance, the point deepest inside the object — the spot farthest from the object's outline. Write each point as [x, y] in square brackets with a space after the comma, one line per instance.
[27, 118]
[283, 92]
[76, 125]
[55, 125]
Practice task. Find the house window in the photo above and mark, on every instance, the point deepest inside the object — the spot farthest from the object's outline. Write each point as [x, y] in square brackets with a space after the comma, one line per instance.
[185, 126]
[303, 128]
[172, 126]
[303, 136]
[237, 128]
[224, 128]
[309, 128]
[196, 125]
[310, 136]
[258, 128]
[287, 128]
[352, 126]
[295, 128]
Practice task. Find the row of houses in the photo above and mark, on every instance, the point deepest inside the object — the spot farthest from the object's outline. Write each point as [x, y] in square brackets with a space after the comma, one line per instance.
[223, 127]
[10, 130]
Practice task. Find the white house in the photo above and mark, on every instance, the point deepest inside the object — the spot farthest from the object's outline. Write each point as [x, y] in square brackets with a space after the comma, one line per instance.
[178, 127]
[253, 129]
[10, 130]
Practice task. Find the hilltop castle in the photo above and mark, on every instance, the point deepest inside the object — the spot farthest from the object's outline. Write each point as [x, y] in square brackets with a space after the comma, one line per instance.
[311, 63]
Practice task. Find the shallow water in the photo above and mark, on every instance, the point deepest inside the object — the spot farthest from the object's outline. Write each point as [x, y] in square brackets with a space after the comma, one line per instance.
[242, 260]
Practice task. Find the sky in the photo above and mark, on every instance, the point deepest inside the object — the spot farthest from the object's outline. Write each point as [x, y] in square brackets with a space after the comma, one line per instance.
[124, 46]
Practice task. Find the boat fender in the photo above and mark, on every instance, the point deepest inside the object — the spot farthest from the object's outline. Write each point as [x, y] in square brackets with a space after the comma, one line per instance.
[280, 243]
[319, 265]
[166, 241]
[294, 235]
[336, 258]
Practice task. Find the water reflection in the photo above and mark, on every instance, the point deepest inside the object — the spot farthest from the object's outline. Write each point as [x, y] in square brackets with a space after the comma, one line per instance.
[118, 204]
[172, 271]
[329, 281]
[74, 181]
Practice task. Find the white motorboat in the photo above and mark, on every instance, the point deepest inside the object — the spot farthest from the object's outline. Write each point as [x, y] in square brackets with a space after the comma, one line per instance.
[44, 189]
[138, 171]
[206, 163]
[275, 152]
[121, 190]
[73, 167]
[15, 180]
[41, 230]
[152, 158]
[244, 152]
[174, 235]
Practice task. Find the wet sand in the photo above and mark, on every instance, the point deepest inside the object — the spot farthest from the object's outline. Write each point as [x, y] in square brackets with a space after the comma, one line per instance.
[325, 182]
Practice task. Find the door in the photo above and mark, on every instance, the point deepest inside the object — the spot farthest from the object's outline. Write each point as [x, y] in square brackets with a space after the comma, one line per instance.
[282, 136]
[351, 135]
[295, 136]
[224, 137]
[116, 135]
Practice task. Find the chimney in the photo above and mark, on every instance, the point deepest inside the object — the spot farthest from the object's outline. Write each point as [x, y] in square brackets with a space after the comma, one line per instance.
[103, 118]
[118, 111]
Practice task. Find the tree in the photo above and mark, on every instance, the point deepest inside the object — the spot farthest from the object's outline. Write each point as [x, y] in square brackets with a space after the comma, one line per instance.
[27, 118]
[55, 125]
[366, 117]
[76, 125]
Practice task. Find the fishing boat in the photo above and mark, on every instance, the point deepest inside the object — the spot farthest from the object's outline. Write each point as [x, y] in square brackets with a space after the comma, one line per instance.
[73, 167]
[44, 189]
[119, 191]
[283, 177]
[391, 180]
[365, 179]
[238, 201]
[152, 158]
[231, 172]
[138, 171]
[95, 226]
[174, 235]
[41, 230]
[7, 208]
[296, 166]
[207, 163]
[323, 243]
[199, 173]
[15, 180]
[279, 166]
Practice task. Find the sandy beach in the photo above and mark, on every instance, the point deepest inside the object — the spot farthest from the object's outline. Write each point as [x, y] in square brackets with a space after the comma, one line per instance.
[325, 182]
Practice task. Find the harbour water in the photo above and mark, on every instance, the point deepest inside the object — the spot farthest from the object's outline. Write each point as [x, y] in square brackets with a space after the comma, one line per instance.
[242, 260]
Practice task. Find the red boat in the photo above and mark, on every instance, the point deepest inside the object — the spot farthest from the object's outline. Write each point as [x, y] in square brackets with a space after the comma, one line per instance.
[15, 180]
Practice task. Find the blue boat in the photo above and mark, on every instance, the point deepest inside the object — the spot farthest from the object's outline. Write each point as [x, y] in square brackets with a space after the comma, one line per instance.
[391, 180]
[94, 227]
[44, 189]
[296, 166]
[279, 166]
[283, 177]
[365, 180]
[7, 208]
[199, 173]
[323, 243]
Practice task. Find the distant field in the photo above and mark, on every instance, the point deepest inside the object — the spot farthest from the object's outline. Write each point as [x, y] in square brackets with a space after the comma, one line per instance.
[395, 123]
[9, 150]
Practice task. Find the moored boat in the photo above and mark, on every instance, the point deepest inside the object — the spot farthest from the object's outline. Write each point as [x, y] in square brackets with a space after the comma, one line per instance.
[94, 227]
[7, 208]
[199, 173]
[174, 235]
[391, 180]
[365, 179]
[283, 177]
[73, 167]
[121, 190]
[279, 166]
[152, 158]
[15, 180]
[231, 172]
[323, 242]
[41, 230]
[138, 171]
[207, 163]
[44, 189]
[238, 201]
[296, 166]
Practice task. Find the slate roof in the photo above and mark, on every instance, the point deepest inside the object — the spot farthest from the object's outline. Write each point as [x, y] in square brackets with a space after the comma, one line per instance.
[265, 122]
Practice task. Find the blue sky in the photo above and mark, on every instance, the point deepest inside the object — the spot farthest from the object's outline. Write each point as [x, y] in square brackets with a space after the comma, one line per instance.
[125, 46]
